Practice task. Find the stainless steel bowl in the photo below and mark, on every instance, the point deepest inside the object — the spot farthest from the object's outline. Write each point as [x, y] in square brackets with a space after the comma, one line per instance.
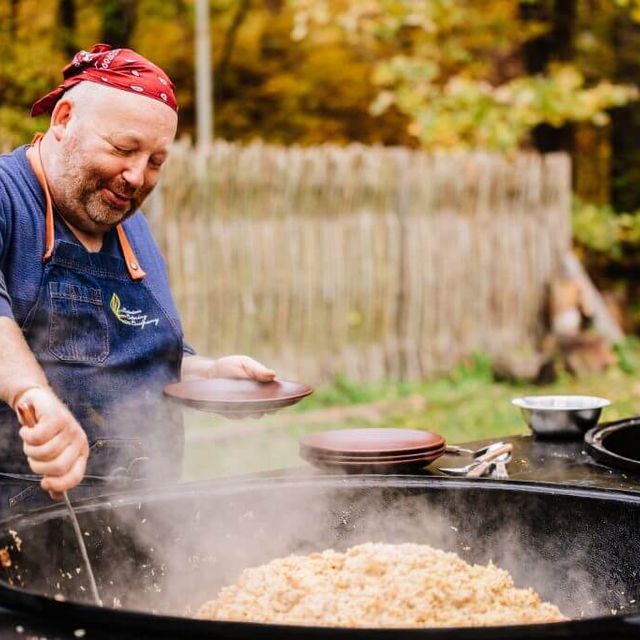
[561, 415]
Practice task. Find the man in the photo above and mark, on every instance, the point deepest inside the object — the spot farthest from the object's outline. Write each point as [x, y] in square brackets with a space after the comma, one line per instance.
[89, 333]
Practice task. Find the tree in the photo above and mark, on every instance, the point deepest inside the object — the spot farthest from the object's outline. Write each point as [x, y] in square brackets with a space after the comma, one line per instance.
[119, 19]
[459, 75]
[67, 22]
[30, 63]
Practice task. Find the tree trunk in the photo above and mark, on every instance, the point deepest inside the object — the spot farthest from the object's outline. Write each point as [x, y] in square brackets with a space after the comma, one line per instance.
[625, 172]
[229, 43]
[67, 22]
[119, 18]
[13, 17]
[555, 45]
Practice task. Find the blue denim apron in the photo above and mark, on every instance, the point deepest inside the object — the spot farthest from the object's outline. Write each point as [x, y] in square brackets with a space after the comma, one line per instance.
[108, 347]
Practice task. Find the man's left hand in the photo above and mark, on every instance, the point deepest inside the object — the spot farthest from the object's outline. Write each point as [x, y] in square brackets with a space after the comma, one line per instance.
[236, 366]
[241, 367]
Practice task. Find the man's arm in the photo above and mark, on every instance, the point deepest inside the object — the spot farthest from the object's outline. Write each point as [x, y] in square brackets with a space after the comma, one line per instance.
[57, 446]
[19, 370]
[195, 367]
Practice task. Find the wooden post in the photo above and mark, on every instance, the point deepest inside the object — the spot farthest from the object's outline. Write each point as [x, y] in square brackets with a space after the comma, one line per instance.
[204, 75]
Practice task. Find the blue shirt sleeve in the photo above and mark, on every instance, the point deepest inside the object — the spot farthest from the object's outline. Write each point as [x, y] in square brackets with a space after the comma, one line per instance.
[5, 300]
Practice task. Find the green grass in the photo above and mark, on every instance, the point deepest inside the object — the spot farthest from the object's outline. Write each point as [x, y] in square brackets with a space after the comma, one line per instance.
[469, 404]
[465, 405]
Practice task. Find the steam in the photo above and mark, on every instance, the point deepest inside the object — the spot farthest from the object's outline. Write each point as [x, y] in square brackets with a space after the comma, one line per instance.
[191, 542]
[171, 549]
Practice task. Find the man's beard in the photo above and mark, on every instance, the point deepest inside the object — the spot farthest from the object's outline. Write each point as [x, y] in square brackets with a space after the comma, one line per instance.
[79, 197]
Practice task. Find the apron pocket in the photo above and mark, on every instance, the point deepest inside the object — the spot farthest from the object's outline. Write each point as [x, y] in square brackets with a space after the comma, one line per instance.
[78, 331]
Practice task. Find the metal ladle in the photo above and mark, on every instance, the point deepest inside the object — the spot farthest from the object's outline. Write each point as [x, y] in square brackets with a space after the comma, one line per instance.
[27, 415]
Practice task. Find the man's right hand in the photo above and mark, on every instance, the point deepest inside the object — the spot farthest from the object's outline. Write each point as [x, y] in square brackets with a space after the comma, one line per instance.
[56, 447]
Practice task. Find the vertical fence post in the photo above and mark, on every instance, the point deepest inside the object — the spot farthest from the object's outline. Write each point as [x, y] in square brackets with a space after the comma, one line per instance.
[403, 169]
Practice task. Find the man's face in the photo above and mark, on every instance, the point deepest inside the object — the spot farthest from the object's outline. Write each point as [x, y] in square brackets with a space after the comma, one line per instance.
[110, 159]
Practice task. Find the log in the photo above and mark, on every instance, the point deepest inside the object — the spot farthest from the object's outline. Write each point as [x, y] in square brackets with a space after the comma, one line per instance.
[593, 302]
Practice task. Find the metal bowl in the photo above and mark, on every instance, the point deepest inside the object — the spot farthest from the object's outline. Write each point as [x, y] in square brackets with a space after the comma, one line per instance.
[561, 415]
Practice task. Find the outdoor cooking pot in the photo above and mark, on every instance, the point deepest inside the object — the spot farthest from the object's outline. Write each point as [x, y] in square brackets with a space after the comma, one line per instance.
[616, 444]
[159, 554]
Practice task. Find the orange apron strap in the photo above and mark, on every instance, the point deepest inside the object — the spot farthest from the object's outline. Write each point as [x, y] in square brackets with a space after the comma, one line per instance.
[36, 165]
[133, 266]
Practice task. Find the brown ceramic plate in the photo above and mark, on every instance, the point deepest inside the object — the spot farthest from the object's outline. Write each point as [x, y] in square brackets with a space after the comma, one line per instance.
[425, 459]
[339, 457]
[387, 466]
[373, 441]
[234, 397]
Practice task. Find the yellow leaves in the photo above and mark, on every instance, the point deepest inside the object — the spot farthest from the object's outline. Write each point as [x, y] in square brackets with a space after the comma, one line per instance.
[600, 229]
[382, 102]
[440, 71]
[449, 70]
[308, 13]
[403, 69]
[300, 28]
[601, 119]
[633, 7]
[470, 112]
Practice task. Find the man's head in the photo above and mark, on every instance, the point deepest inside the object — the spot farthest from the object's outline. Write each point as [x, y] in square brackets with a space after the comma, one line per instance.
[105, 146]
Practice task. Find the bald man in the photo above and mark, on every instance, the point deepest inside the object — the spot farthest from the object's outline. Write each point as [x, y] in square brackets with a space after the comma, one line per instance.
[89, 332]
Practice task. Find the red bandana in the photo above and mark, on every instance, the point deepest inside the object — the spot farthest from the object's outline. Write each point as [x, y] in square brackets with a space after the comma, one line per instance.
[119, 68]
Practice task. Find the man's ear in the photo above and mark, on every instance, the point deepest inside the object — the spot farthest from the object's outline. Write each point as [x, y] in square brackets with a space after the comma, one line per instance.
[60, 117]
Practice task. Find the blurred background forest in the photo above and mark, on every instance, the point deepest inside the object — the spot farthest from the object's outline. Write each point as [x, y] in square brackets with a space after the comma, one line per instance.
[499, 75]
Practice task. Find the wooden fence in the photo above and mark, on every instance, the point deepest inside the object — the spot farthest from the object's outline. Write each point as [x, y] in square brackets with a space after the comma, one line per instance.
[369, 262]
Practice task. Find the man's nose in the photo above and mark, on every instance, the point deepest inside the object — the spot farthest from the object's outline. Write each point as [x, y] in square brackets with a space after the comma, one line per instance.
[134, 173]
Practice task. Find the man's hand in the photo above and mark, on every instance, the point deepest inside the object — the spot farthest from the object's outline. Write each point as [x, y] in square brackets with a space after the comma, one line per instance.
[198, 367]
[241, 367]
[56, 447]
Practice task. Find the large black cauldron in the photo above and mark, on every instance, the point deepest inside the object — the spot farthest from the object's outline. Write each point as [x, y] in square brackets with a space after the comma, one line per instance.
[158, 554]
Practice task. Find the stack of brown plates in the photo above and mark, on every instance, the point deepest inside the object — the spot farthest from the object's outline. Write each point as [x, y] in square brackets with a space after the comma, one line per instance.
[372, 450]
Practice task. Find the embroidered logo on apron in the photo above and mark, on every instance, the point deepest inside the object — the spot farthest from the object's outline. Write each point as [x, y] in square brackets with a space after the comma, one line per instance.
[132, 318]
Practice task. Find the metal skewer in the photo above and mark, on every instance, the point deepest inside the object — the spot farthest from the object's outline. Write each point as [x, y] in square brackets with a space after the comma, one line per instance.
[27, 416]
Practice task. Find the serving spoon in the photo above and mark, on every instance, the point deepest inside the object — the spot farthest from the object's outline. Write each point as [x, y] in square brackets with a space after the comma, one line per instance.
[457, 450]
[500, 466]
[479, 465]
[488, 460]
[27, 415]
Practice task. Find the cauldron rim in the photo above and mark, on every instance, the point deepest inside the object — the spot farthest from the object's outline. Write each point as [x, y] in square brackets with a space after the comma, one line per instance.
[594, 440]
[376, 481]
[161, 625]
[90, 615]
